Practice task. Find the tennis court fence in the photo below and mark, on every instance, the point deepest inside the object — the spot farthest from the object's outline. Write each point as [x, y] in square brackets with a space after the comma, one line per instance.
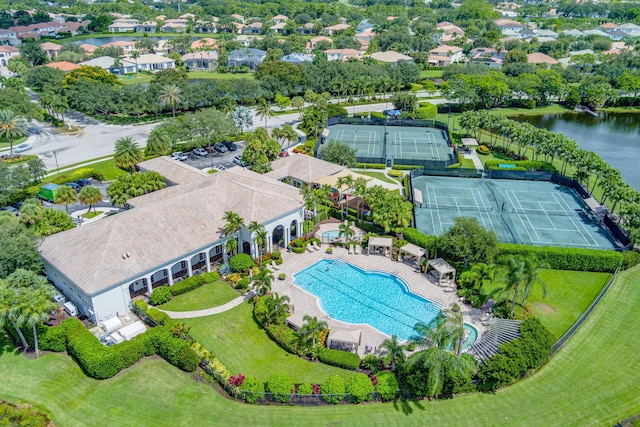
[458, 207]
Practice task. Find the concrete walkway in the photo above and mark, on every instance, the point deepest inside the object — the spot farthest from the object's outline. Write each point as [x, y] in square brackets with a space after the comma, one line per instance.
[473, 156]
[209, 311]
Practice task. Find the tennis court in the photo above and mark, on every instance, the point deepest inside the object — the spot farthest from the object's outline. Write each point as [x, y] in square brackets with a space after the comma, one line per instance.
[367, 140]
[418, 143]
[529, 212]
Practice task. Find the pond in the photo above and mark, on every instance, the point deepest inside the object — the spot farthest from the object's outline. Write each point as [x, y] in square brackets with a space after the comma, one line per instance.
[99, 41]
[614, 136]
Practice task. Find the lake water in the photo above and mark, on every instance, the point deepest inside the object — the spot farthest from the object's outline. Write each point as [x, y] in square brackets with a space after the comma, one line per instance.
[614, 136]
[99, 41]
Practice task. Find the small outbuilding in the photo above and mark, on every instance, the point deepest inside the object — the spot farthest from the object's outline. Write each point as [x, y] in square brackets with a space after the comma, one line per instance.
[444, 272]
[413, 251]
[296, 320]
[342, 339]
[132, 330]
[111, 325]
[380, 245]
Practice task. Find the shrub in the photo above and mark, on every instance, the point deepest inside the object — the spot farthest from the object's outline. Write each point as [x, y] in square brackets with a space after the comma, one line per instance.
[51, 338]
[418, 238]
[174, 350]
[241, 262]
[282, 276]
[211, 277]
[557, 258]
[284, 336]
[188, 360]
[377, 115]
[141, 305]
[129, 352]
[305, 388]
[395, 173]
[360, 388]
[341, 359]
[252, 389]
[219, 368]
[159, 317]
[370, 363]
[243, 284]
[404, 167]
[371, 166]
[387, 386]
[160, 295]
[631, 259]
[281, 385]
[426, 111]
[277, 256]
[414, 87]
[483, 149]
[96, 360]
[333, 389]
[520, 165]
[188, 284]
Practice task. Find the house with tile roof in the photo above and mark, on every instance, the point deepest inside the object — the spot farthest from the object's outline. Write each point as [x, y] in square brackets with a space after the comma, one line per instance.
[167, 235]
[249, 57]
[8, 37]
[63, 66]
[336, 29]
[342, 54]
[51, 49]
[203, 60]
[390, 57]
[445, 55]
[540, 58]
[314, 41]
[6, 53]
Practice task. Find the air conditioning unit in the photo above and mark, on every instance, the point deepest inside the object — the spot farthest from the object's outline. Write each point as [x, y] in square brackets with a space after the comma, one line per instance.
[71, 309]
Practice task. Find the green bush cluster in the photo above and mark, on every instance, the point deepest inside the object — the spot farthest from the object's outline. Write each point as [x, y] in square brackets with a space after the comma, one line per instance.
[567, 258]
[22, 415]
[284, 336]
[252, 389]
[371, 363]
[96, 360]
[241, 262]
[387, 386]
[333, 389]
[186, 285]
[395, 173]
[281, 385]
[418, 238]
[243, 284]
[361, 115]
[51, 338]
[211, 277]
[305, 388]
[404, 167]
[631, 259]
[527, 165]
[81, 173]
[160, 295]
[360, 388]
[341, 359]
[371, 166]
[174, 350]
[516, 358]
[142, 305]
[414, 87]
[377, 115]
[160, 317]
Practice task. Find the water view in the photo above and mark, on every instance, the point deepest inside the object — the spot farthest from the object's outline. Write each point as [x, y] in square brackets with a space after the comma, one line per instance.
[614, 136]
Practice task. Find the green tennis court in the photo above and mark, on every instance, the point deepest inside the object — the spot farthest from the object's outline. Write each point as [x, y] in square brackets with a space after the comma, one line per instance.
[418, 143]
[367, 140]
[529, 212]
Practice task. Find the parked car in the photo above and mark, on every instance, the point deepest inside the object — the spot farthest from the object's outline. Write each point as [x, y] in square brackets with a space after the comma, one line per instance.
[238, 161]
[74, 185]
[200, 152]
[283, 153]
[82, 182]
[231, 146]
[22, 148]
[34, 130]
[179, 155]
[220, 147]
[12, 210]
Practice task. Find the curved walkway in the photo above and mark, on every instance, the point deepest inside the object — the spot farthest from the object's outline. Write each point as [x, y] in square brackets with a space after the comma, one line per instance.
[209, 311]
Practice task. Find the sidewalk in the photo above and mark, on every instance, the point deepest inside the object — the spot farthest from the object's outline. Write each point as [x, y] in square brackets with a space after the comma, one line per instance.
[473, 156]
[209, 311]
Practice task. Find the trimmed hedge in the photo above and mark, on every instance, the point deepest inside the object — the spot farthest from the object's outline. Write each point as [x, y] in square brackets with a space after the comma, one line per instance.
[341, 359]
[395, 173]
[96, 360]
[387, 386]
[159, 317]
[333, 389]
[631, 259]
[160, 295]
[141, 305]
[360, 388]
[305, 388]
[281, 385]
[211, 277]
[404, 167]
[578, 259]
[51, 338]
[371, 166]
[188, 284]
[520, 165]
[284, 336]
[418, 238]
[252, 389]
[377, 115]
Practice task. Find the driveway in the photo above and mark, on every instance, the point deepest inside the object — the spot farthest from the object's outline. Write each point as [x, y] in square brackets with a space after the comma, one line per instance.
[216, 160]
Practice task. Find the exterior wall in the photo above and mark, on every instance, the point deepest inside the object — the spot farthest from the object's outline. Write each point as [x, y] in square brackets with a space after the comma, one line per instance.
[69, 290]
[113, 302]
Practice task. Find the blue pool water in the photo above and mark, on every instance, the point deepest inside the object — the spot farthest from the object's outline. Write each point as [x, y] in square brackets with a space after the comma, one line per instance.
[328, 235]
[352, 295]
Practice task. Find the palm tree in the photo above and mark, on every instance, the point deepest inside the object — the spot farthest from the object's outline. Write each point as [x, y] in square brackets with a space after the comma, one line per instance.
[360, 191]
[297, 102]
[264, 110]
[289, 134]
[277, 308]
[394, 352]
[135, 55]
[531, 267]
[127, 154]
[515, 275]
[171, 94]
[277, 135]
[59, 105]
[66, 195]
[9, 300]
[36, 305]
[260, 236]
[233, 224]
[346, 231]
[158, 143]
[90, 195]
[310, 198]
[312, 329]
[481, 272]
[11, 126]
[262, 281]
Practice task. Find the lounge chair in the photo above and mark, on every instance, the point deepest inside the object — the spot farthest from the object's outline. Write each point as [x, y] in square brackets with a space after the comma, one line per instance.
[356, 250]
[349, 249]
[309, 248]
[315, 245]
[274, 266]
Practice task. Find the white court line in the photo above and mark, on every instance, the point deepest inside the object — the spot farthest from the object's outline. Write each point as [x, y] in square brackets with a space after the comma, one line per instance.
[473, 191]
[593, 240]
[546, 215]
[433, 222]
[520, 218]
[435, 199]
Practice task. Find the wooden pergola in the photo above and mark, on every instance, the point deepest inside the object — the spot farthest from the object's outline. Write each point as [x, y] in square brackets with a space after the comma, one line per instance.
[443, 269]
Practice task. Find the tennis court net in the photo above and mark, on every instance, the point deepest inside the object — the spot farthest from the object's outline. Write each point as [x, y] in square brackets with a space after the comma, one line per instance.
[459, 207]
[414, 141]
[576, 212]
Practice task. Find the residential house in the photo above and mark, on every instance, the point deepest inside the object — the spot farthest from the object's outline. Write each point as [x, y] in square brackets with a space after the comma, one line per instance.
[314, 41]
[298, 58]
[336, 29]
[102, 266]
[573, 33]
[187, 16]
[253, 28]
[366, 36]
[342, 54]
[279, 18]
[208, 27]
[546, 33]
[364, 25]
[632, 30]
[238, 18]
[596, 33]
[88, 48]
[232, 27]
[6, 53]
[509, 24]
[123, 25]
[8, 37]
[307, 29]
[152, 62]
[163, 47]
[278, 28]
[63, 66]
[51, 49]
[617, 35]
[126, 46]
[110, 64]
[146, 27]
[390, 57]
[526, 34]
[174, 26]
[608, 26]
[540, 58]
[246, 41]
[248, 57]
[204, 60]
[206, 43]
[449, 29]
[445, 55]
[488, 56]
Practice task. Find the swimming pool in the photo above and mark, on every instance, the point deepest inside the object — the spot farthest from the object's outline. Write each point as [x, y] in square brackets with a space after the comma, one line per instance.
[352, 295]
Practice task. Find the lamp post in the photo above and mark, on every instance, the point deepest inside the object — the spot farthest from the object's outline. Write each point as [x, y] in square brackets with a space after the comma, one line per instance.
[56, 157]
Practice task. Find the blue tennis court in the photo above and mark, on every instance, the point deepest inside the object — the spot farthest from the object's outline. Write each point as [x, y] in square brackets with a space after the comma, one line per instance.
[529, 212]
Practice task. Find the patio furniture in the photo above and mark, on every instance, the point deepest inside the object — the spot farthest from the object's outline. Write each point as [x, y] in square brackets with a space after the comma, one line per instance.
[315, 245]
[309, 248]
[356, 250]
[349, 249]
[273, 265]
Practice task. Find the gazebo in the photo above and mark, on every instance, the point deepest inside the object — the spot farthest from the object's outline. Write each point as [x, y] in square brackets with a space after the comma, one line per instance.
[296, 320]
[469, 142]
[444, 271]
[342, 339]
[414, 251]
[380, 245]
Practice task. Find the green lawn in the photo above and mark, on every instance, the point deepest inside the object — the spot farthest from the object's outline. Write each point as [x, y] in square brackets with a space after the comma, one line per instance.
[569, 293]
[431, 74]
[131, 79]
[107, 167]
[592, 381]
[207, 296]
[381, 176]
[235, 338]
[4, 143]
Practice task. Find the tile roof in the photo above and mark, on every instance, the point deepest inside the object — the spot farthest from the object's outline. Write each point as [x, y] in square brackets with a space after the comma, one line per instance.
[165, 229]
[390, 56]
[303, 168]
[63, 65]
[540, 58]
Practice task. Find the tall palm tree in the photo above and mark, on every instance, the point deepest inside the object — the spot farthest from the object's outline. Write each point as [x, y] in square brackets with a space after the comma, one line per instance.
[66, 195]
[297, 102]
[346, 231]
[90, 195]
[158, 143]
[289, 134]
[260, 236]
[37, 303]
[515, 276]
[127, 154]
[394, 352]
[531, 278]
[135, 55]
[277, 308]
[233, 224]
[171, 94]
[9, 300]
[262, 281]
[11, 126]
[277, 135]
[59, 105]
[264, 110]
[312, 329]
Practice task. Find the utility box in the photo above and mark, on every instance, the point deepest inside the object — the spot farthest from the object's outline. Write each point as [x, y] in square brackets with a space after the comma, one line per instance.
[71, 309]
[48, 192]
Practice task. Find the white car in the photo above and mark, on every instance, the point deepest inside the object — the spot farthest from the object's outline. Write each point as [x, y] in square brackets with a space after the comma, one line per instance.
[238, 161]
[22, 147]
[179, 155]
[200, 152]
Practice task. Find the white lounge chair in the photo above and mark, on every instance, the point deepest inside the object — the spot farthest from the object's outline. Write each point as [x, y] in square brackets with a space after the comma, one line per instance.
[349, 249]
[274, 266]
[356, 250]
[315, 245]
[309, 248]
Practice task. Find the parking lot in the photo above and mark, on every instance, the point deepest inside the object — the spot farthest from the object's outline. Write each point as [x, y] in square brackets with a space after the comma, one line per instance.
[215, 160]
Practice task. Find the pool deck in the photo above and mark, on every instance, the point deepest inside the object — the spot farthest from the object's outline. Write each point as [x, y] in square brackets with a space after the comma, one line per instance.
[419, 284]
